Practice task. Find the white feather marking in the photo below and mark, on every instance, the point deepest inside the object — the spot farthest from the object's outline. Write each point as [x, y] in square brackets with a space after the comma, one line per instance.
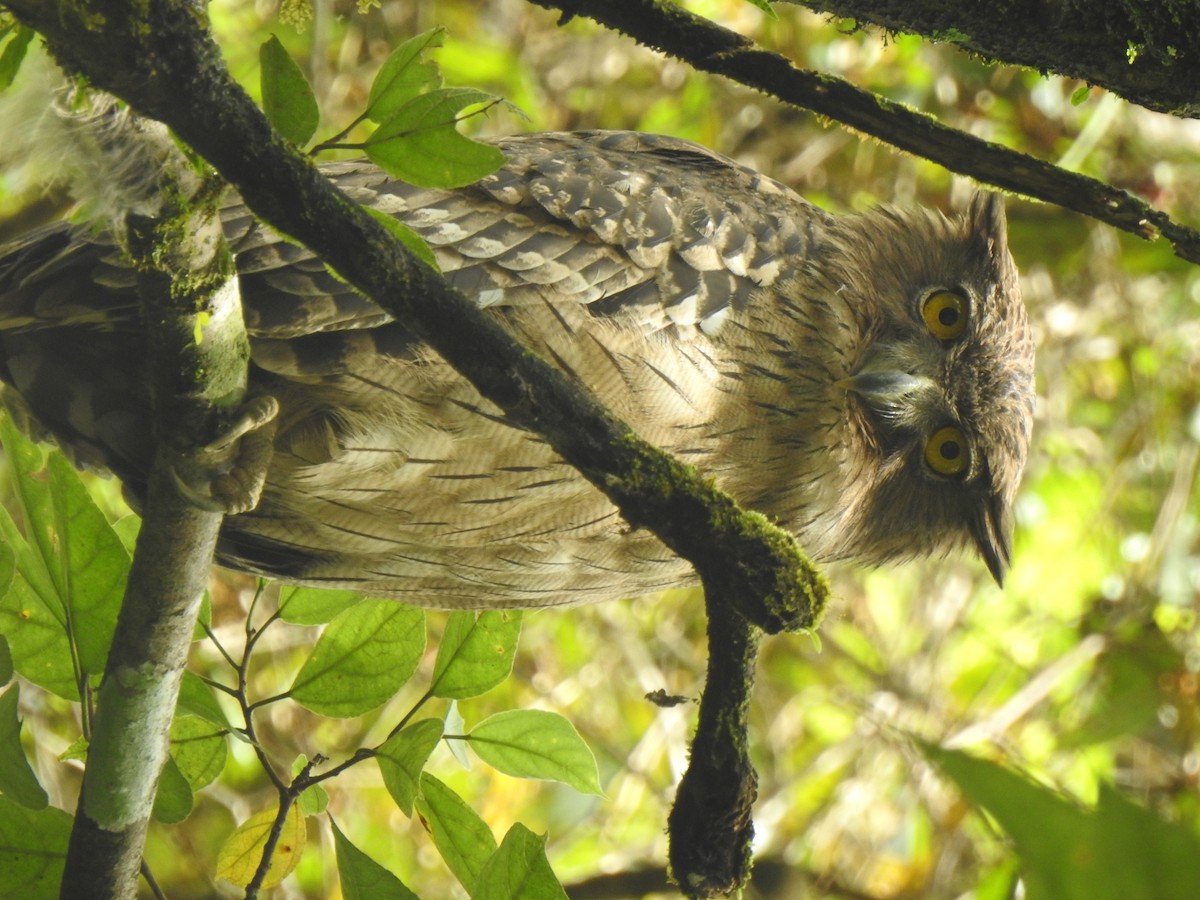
[715, 321]
[446, 233]
[683, 310]
[489, 297]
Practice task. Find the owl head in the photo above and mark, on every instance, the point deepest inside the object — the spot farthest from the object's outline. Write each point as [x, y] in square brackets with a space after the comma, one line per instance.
[939, 395]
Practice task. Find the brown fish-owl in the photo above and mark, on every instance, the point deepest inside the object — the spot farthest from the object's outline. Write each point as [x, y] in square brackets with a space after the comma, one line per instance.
[865, 380]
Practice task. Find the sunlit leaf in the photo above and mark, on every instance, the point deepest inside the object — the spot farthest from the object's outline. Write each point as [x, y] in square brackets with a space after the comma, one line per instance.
[6, 661]
[765, 6]
[242, 851]
[455, 724]
[8, 567]
[17, 781]
[127, 529]
[14, 54]
[518, 870]
[421, 145]
[363, 657]
[461, 836]
[70, 573]
[402, 757]
[314, 799]
[531, 743]
[1127, 694]
[405, 74]
[33, 850]
[77, 749]
[199, 748]
[287, 96]
[314, 606]
[476, 653]
[1117, 851]
[196, 699]
[362, 878]
[173, 797]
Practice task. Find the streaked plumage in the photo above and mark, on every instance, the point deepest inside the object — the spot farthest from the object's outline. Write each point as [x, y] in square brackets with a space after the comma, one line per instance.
[780, 348]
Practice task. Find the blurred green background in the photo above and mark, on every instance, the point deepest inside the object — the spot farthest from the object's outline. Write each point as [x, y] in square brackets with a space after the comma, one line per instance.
[1084, 670]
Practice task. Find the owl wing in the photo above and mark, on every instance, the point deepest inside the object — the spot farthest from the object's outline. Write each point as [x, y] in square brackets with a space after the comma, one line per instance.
[648, 232]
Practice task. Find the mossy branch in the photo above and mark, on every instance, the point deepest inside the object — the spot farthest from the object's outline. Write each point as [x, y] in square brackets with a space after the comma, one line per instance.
[704, 45]
[184, 276]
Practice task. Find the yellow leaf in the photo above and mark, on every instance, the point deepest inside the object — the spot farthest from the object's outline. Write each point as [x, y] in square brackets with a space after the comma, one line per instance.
[242, 851]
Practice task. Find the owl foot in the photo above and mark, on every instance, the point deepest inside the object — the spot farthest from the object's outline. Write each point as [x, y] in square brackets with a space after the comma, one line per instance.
[235, 464]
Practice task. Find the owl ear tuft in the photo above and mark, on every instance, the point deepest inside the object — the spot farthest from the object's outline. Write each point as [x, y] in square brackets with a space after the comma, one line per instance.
[987, 221]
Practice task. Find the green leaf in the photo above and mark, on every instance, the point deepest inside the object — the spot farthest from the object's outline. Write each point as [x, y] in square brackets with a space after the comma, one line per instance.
[1118, 851]
[420, 144]
[532, 743]
[414, 242]
[71, 568]
[173, 799]
[14, 54]
[33, 850]
[519, 870]
[287, 96]
[765, 6]
[402, 757]
[461, 836]
[455, 724]
[196, 699]
[203, 623]
[365, 655]
[6, 661]
[476, 653]
[314, 799]
[77, 749]
[127, 528]
[1080, 94]
[1126, 693]
[362, 878]
[199, 748]
[17, 781]
[404, 75]
[8, 568]
[314, 606]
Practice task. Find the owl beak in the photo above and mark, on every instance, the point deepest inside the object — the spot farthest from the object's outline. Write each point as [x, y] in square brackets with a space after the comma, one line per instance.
[886, 390]
[991, 528]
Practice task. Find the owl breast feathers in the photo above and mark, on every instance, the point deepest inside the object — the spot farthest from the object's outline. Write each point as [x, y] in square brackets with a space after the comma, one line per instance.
[865, 380]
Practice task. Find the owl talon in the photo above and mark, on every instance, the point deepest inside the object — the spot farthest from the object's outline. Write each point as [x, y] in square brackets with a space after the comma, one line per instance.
[253, 416]
[236, 462]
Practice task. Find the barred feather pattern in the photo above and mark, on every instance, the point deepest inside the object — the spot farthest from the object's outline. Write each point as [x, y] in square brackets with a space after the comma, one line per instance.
[720, 314]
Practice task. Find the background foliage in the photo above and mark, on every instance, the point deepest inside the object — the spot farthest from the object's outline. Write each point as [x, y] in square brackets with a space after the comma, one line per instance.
[1084, 672]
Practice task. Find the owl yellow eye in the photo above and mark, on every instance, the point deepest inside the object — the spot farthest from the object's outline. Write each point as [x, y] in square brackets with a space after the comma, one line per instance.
[946, 452]
[945, 314]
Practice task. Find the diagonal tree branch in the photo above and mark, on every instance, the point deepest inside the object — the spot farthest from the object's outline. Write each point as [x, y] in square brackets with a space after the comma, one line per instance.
[705, 45]
[1147, 51]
